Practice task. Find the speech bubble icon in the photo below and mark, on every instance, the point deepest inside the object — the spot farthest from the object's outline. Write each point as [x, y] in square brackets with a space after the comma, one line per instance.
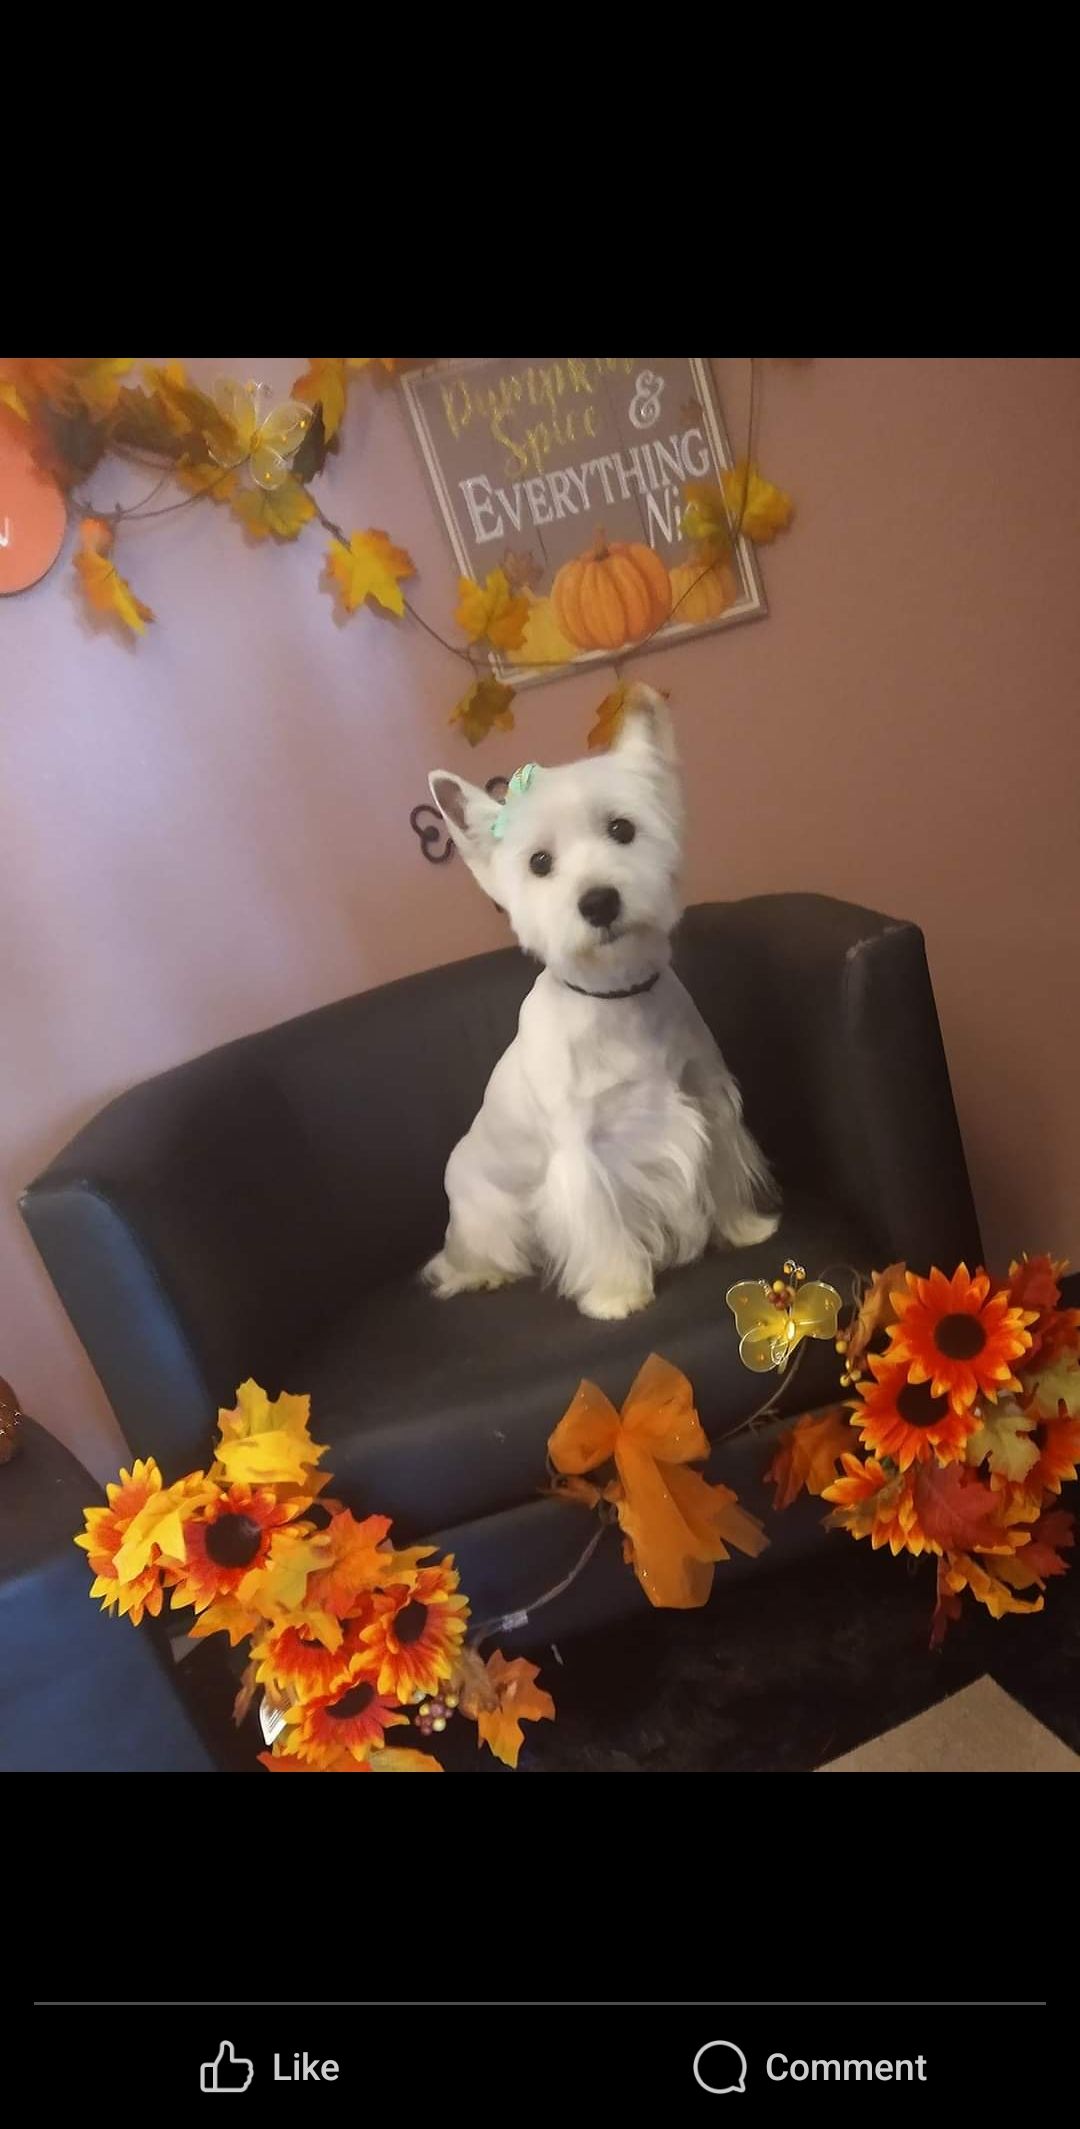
[718, 2066]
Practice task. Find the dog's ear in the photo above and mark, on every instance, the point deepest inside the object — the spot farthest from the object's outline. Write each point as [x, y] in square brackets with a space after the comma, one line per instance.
[470, 815]
[646, 729]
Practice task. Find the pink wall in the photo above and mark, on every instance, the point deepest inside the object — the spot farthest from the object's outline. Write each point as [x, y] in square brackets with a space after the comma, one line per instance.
[207, 831]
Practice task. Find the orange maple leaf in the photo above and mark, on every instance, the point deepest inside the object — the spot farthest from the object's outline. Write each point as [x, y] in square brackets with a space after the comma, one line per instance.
[513, 1697]
[491, 609]
[609, 718]
[357, 1562]
[104, 589]
[874, 1314]
[484, 705]
[806, 1456]
[956, 1510]
[1050, 1537]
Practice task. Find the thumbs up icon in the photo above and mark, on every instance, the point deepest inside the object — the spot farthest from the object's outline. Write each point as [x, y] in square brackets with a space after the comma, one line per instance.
[229, 2072]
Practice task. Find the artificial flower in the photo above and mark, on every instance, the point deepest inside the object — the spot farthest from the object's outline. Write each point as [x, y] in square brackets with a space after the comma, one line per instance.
[958, 1336]
[876, 1503]
[106, 1532]
[903, 1420]
[416, 1631]
[352, 1719]
[227, 1539]
[293, 1659]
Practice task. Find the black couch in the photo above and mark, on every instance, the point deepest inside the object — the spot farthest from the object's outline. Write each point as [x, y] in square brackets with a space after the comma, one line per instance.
[263, 1210]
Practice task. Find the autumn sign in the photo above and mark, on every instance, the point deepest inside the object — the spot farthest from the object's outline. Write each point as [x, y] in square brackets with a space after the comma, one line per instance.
[569, 476]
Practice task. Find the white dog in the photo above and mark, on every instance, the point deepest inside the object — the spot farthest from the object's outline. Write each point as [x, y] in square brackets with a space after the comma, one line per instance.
[610, 1142]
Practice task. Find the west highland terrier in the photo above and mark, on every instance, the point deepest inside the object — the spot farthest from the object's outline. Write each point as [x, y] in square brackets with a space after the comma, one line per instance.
[610, 1143]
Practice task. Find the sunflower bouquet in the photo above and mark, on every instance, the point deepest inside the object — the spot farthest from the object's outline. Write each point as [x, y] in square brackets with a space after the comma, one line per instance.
[349, 1636]
[962, 1425]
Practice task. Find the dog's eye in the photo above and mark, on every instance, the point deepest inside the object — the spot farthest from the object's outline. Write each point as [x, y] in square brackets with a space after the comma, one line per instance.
[621, 831]
[541, 862]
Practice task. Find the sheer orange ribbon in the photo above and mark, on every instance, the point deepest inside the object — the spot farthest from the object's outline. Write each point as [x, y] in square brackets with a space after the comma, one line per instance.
[673, 1522]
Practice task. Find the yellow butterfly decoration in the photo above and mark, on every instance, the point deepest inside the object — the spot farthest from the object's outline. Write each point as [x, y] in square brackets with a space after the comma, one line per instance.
[773, 1320]
[263, 441]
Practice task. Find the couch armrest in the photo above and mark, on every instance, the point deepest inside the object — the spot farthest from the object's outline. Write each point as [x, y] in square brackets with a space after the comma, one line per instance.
[826, 1014]
[181, 1229]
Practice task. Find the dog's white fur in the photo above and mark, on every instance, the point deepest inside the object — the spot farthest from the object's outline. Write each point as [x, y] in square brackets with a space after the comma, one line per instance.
[610, 1142]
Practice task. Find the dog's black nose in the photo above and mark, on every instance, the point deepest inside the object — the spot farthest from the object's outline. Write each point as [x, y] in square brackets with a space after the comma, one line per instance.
[600, 906]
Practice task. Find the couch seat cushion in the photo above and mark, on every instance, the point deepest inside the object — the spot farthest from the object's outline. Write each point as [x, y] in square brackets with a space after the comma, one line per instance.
[439, 1411]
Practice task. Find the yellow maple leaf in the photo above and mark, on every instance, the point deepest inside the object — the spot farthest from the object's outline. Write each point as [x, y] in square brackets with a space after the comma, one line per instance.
[1004, 1440]
[364, 362]
[705, 520]
[484, 705]
[159, 1526]
[609, 719]
[757, 508]
[97, 381]
[1058, 1385]
[104, 589]
[273, 1459]
[370, 567]
[279, 1586]
[225, 1616]
[492, 610]
[9, 397]
[398, 1759]
[200, 476]
[517, 1699]
[324, 385]
[264, 1442]
[282, 511]
[543, 642]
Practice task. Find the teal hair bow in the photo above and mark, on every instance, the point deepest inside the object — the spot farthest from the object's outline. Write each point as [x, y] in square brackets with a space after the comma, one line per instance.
[516, 788]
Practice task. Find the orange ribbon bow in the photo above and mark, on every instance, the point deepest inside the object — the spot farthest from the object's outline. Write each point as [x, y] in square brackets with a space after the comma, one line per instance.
[673, 1522]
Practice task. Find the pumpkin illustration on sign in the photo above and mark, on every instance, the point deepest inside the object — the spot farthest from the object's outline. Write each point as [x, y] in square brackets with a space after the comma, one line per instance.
[699, 594]
[612, 595]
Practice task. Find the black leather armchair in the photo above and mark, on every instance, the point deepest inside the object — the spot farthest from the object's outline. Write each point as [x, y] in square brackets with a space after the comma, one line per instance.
[263, 1211]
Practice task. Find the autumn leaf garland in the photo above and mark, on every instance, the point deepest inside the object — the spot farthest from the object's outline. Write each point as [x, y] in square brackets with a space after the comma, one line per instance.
[256, 460]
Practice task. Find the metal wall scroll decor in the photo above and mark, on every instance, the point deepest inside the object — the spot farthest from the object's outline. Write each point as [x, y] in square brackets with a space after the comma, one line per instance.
[428, 825]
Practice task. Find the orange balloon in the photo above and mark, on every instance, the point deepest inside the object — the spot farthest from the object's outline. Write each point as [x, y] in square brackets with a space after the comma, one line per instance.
[33, 515]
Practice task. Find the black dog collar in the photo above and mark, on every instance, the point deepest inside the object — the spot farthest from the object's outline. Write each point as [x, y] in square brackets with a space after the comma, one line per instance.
[635, 991]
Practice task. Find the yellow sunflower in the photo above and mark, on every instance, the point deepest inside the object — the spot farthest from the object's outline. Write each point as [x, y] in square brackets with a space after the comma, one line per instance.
[106, 1529]
[416, 1632]
[352, 1720]
[958, 1336]
[226, 1539]
[904, 1420]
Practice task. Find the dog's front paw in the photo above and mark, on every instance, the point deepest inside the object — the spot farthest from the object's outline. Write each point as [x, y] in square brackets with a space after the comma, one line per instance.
[447, 1279]
[610, 1304]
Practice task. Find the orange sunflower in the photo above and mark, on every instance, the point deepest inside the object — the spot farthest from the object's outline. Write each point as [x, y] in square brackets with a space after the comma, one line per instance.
[416, 1631]
[958, 1336]
[904, 1420]
[352, 1720]
[1058, 1444]
[872, 1502]
[226, 1539]
[105, 1531]
[294, 1660]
